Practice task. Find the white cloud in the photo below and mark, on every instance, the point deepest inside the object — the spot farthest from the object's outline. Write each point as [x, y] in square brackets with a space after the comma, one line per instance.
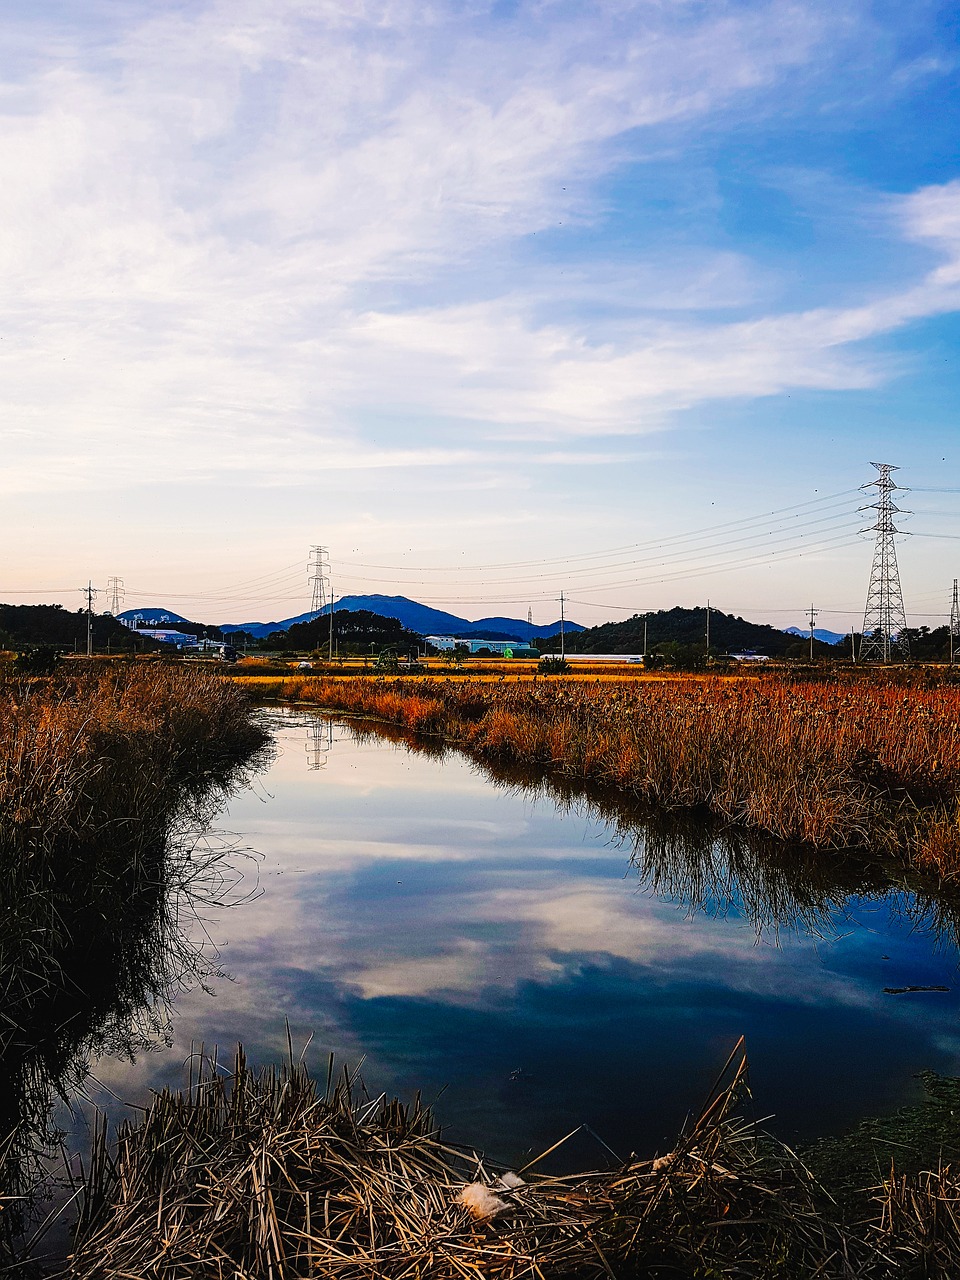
[202, 208]
[232, 236]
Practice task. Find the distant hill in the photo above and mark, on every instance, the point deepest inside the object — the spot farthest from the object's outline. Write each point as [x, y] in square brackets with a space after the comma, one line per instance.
[161, 618]
[150, 617]
[415, 617]
[819, 633]
[260, 629]
[27, 624]
[355, 632]
[684, 626]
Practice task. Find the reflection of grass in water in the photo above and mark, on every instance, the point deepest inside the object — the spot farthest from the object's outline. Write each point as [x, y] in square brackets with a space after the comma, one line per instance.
[116, 1001]
[707, 866]
[101, 777]
[865, 766]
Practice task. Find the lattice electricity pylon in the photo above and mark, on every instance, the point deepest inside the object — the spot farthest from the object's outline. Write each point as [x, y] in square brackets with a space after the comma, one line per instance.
[115, 595]
[884, 620]
[318, 570]
[954, 626]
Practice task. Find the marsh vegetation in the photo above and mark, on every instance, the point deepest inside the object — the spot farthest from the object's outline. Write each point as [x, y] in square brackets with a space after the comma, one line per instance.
[103, 773]
[269, 1174]
[250, 1172]
[869, 765]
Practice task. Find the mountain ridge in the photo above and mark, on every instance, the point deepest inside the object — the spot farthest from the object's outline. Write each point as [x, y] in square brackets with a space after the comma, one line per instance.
[416, 617]
[685, 627]
[676, 624]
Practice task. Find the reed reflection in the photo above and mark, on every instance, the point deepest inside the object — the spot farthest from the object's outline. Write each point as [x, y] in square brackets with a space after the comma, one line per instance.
[712, 869]
[100, 978]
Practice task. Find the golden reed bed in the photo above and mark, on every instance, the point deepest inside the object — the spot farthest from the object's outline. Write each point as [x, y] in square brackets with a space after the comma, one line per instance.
[865, 765]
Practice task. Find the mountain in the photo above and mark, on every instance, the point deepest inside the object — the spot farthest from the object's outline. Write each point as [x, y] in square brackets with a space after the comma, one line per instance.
[416, 617]
[260, 629]
[819, 633]
[151, 617]
[684, 626]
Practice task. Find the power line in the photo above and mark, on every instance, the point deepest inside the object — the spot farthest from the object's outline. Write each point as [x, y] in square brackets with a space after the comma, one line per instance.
[694, 536]
[747, 541]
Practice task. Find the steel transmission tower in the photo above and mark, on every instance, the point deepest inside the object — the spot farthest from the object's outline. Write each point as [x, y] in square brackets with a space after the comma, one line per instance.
[884, 620]
[954, 626]
[114, 595]
[318, 570]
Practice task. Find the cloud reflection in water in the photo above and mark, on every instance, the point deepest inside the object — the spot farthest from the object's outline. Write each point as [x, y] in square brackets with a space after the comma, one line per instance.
[546, 966]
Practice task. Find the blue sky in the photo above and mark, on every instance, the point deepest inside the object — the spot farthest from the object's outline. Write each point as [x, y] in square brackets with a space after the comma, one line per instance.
[473, 294]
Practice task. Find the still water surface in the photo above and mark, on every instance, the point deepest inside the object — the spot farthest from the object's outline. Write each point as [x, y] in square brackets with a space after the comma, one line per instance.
[518, 962]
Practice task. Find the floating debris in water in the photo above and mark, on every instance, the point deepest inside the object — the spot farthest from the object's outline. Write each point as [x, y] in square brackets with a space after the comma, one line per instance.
[902, 991]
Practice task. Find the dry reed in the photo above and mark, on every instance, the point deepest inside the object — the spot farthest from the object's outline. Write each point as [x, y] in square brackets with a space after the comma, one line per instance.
[97, 770]
[870, 766]
[92, 771]
[265, 1176]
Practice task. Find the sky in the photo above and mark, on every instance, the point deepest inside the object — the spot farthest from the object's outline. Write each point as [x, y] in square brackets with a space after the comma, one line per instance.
[491, 300]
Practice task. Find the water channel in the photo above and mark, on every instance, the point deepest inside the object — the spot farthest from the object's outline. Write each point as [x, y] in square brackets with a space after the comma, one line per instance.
[535, 963]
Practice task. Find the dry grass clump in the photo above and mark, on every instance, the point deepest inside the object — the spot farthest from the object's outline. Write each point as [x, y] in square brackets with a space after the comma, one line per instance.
[97, 769]
[833, 764]
[254, 1176]
[920, 1222]
[92, 771]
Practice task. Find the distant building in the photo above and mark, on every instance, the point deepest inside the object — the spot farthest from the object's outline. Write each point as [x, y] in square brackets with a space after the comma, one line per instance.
[749, 656]
[502, 648]
[181, 639]
[603, 657]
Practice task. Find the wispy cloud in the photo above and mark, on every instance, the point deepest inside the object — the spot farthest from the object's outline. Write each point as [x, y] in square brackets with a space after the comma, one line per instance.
[215, 220]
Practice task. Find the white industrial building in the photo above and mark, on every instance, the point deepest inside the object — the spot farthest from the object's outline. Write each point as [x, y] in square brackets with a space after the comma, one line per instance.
[505, 648]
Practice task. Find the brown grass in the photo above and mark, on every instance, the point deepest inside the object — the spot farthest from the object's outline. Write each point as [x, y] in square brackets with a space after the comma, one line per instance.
[267, 1177]
[98, 766]
[837, 765]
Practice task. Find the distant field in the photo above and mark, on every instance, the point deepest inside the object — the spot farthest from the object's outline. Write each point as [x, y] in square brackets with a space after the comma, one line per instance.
[510, 675]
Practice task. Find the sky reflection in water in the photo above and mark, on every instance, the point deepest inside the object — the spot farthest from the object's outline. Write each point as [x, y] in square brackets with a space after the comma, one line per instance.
[480, 944]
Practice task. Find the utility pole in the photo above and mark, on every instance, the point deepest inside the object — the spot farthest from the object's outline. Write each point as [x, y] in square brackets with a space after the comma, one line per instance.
[330, 647]
[954, 626]
[563, 651]
[89, 591]
[644, 635]
[708, 628]
[883, 616]
[813, 618]
[114, 595]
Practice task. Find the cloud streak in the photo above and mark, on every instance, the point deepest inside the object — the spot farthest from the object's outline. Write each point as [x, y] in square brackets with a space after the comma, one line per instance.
[252, 224]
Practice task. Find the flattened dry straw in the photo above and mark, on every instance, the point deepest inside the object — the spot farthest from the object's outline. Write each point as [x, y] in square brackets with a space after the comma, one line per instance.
[263, 1176]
